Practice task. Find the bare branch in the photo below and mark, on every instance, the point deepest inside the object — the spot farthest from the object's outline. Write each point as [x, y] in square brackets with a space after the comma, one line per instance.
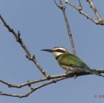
[62, 7]
[56, 78]
[19, 40]
[99, 20]
[94, 9]
[32, 90]
[67, 75]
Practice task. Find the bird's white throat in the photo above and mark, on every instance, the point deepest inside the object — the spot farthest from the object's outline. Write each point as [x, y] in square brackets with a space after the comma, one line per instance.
[57, 53]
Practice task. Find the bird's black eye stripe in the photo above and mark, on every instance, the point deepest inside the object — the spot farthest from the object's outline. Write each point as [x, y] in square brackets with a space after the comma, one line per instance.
[59, 50]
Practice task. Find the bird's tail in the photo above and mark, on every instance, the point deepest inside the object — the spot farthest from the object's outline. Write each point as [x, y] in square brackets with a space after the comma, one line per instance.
[97, 73]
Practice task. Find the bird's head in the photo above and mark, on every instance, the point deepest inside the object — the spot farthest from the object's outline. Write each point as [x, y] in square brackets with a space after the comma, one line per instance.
[56, 51]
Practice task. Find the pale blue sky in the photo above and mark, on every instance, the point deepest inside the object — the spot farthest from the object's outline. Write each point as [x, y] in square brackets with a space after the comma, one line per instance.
[42, 26]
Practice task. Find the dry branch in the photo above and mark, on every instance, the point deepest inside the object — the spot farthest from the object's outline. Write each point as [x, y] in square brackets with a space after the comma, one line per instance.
[99, 20]
[29, 55]
[62, 7]
[56, 78]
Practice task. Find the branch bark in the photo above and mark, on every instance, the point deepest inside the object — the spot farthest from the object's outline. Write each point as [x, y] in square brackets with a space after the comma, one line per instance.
[99, 20]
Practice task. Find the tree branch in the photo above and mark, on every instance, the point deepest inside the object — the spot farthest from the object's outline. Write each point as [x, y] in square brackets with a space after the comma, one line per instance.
[19, 40]
[62, 7]
[99, 20]
[53, 79]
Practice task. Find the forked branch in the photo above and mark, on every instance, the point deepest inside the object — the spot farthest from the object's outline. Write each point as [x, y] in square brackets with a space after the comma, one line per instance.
[99, 20]
[43, 81]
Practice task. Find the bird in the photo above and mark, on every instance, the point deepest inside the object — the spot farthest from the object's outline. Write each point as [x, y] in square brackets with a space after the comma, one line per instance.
[71, 62]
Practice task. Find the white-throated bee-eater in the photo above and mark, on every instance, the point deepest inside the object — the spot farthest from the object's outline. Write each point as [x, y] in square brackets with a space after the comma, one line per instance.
[70, 62]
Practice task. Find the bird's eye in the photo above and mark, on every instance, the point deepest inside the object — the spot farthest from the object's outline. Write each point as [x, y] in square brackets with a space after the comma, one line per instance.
[59, 50]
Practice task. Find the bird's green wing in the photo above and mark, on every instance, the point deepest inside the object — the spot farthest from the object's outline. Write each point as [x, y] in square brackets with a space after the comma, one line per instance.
[69, 60]
[73, 61]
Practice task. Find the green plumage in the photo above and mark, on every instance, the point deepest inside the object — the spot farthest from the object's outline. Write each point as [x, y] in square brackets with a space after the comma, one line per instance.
[71, 62]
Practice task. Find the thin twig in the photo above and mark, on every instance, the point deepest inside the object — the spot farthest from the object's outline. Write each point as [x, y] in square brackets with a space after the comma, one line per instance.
[19, 40]
[46, 83]
[98, 22]
[68, 75]
[94, 9]
[32, 90]
[101, 22]
[62, 7]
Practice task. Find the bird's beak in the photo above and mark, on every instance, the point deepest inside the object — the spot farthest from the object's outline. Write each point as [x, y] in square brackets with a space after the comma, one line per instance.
[48, 50]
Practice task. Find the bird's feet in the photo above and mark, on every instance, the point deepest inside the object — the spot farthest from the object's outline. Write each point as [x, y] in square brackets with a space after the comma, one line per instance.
[69, 74]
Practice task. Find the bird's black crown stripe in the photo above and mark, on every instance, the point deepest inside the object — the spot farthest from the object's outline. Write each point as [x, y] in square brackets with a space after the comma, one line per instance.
[59, 50]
